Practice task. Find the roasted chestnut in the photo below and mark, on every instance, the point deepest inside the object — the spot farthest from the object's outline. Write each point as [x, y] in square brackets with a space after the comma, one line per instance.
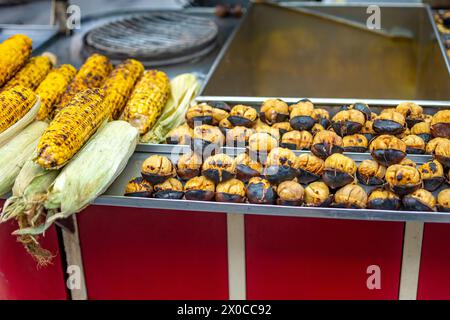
[367, 130]
[402, 179]
[219, 168]
[241, 115]
[261, 127]
[387, 149]
[389, 122]
[355, 143]
[440, 124]
[180, 135]
[225, 125]
[282, 127]
[325, 143]
[188, 165]
[370, 173]
[339, 170]
[405, 133]
[309, 168]
[408, 162]
[138, 187]
[290, 193]
[157, 169]
[260, 191]
[420, 200]
[218, 115]
[169, 189]
[317, 194]
[362, 107]
[347, 122]
[259, 146]
[440, 149]
[302, 115]
[443, 200]
[238, 136]
[316, 128]
[432, 174]
[246, 168]
[273, 111]
[382, 199]
[414, 144]
[231, 191]
[207, 140]
[199, 188]
[199, 114]
[322, 117]
[296, 140]
[422, 129]
[412, 112]
[350, 196]
[280, 165]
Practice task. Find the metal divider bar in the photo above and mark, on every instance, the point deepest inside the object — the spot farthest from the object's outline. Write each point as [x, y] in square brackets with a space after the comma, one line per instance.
[237, 278]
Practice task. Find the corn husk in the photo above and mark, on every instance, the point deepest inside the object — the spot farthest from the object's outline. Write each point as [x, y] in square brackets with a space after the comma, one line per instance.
[88, 174]
[12, 131]
[16, 152]
[183, 88]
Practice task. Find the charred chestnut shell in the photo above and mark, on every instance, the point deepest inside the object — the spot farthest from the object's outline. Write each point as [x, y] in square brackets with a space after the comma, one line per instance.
[355, 143]
[199, 188]
[382, 199]
[138, 187]
[389, 122]
[169, 189]
[231, 191]
[339, 170]
[348, 122]
[188, 165]
[317, 194]
[412, 112]
[432, 174]
[419, 200]
[207, 140]
[370, 173]
[402, 179]
[246, 168]
[309, 168]
[219, 105]
[387, 150]
[260, 191]
[199, 114]
[350, 196]
[259, 146]
[241, 115]
[422, 129]
[440, 149]
[290, 193]
[180, 135]
[238, 136]
[302, 116]
[443, 200]
[157, 169]
[322, 117]
[326, 143]
[296, 140]
[440, 124]
[362, 107]
[219, 168]
[280, 165]
[414, 144]
[274, 111]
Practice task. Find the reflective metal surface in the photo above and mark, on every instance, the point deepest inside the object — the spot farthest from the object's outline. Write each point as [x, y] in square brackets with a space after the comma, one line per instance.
[280, 51]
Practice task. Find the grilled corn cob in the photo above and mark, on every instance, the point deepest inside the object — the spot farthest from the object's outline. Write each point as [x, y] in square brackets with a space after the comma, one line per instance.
[14, 53]
[92, 74]
[120, 83]
[51, 89]
[32, 74]
[147, 100]
[14, 104]
[71, 128]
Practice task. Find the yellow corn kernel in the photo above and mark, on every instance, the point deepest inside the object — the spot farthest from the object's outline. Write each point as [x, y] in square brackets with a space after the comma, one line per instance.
[71, 128]
[52, 88]
[147, 100]
[120, 83]
[32, 74]
[14, 53]
[92, 74]
[14, 104]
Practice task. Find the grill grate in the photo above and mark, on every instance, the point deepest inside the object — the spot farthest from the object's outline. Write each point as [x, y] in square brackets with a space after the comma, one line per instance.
[157, 38]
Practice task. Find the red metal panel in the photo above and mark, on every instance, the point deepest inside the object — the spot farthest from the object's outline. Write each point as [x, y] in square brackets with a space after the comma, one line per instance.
[434, 276]
[19, 276]
[294, 258]
[153, 254]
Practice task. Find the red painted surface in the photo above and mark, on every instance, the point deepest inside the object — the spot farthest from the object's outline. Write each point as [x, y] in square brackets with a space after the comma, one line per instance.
[294, 258]
[19, 276]
[434, 276]
[153, 254]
